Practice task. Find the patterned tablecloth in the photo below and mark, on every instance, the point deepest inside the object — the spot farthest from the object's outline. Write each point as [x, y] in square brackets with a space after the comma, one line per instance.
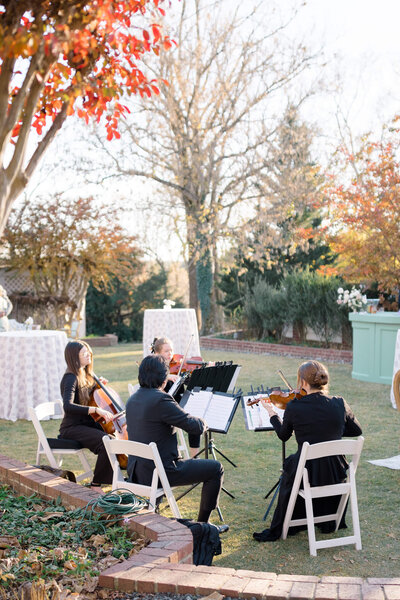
[177, 324]
[396, 367]
[31, 367]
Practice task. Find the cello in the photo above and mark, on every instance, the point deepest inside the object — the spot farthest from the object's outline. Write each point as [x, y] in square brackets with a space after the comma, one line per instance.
[106, 398]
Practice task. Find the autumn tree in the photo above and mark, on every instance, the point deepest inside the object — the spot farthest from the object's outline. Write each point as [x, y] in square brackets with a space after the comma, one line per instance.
[65, 57]
[365, 210]
[201, 140]
[63, 244]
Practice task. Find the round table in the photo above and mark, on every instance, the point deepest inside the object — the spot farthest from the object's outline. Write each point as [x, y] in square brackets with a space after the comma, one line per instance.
[177, 324]
[31, 367]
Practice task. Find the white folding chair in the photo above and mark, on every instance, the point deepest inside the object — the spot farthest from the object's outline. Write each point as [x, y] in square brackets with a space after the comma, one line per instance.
[345, 490]
[182, 446]
[149, 451]
[54, 448]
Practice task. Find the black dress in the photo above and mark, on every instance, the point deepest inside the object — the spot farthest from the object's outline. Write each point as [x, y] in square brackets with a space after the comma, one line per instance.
[313, 418]
[78, 425]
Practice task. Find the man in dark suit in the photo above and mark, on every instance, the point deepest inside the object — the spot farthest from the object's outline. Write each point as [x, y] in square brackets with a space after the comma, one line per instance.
[151, 416]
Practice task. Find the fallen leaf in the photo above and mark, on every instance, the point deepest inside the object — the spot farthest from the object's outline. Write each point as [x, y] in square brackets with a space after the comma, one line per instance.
[90, 583]
[51, 515]
[107, 561]
[97, 540]
[70, 565]
[7, 541]
[59, 553]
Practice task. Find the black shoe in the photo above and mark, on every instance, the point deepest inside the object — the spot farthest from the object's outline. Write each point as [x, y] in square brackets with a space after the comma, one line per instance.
[265, 536]
[222, 528]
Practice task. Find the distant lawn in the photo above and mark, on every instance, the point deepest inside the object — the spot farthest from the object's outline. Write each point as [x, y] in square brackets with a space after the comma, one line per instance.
[258, 456]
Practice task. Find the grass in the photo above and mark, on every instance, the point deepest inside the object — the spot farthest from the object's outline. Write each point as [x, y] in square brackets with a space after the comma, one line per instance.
[258, 456]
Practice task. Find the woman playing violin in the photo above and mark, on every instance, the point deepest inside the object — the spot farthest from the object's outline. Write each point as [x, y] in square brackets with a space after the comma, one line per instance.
[313, 417]
[163, 347]
[77, 386]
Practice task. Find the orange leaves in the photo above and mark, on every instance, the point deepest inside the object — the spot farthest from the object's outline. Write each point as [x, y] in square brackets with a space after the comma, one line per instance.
[365, 212]
[94, 48]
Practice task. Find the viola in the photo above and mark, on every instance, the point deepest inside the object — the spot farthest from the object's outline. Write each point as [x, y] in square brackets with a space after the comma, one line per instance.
[180, 364]
[278, 397]
[106, 398]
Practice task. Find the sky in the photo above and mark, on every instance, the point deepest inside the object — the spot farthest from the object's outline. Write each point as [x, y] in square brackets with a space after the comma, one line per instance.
[361, 40]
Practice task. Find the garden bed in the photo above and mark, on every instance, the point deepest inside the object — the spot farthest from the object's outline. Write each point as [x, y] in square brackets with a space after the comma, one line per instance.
[47, 550]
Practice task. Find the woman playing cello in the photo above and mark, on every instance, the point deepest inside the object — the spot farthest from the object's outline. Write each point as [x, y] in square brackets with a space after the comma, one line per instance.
[313, 417]
[78, 424]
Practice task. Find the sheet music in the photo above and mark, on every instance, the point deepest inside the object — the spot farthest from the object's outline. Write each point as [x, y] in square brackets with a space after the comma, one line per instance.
[256, 417]
[198, 402]
[217, 409]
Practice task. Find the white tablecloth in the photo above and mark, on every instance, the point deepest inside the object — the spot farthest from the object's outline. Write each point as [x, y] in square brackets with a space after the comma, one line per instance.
[396, 367]
[177, 324]
[31, 367]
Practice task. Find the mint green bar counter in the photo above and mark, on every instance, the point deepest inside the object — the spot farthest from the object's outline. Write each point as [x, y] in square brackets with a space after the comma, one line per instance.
[374, 342]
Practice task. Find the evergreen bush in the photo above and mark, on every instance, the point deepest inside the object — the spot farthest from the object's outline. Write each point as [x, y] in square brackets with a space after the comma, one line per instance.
[264, 308]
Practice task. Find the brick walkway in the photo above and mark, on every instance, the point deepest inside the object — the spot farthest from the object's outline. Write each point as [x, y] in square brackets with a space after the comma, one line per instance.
[325, 354]
[165, 565]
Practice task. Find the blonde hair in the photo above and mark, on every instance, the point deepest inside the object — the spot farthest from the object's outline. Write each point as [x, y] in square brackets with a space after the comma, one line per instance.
[158, 343]
[84, 375]
[315, 374]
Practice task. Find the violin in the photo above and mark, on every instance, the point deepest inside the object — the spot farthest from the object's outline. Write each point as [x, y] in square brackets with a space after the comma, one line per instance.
[106, 398]
[180, 364]
[278, 397]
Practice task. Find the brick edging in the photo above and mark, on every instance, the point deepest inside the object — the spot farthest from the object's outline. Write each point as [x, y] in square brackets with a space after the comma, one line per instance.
[328, 354]
[165, 565]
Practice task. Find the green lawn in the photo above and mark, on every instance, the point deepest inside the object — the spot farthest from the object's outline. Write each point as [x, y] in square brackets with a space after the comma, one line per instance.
[258, 456]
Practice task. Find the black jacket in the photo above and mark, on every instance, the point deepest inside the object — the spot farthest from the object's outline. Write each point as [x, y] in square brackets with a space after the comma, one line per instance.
[151, 416]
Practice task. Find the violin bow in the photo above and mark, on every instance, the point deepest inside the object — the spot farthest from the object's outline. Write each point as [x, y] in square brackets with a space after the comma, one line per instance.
[284, 379]
[186, 353]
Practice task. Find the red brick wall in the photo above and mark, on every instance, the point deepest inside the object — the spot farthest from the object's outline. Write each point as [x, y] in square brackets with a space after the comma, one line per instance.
[327, 354]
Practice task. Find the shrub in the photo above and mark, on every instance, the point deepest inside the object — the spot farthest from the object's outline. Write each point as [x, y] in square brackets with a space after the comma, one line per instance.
[264, 307]
[312, 302]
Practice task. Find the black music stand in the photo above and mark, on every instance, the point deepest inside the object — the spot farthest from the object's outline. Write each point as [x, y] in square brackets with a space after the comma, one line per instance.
[218, 410]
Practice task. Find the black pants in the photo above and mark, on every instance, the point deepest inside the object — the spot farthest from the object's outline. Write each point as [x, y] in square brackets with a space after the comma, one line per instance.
[208, 472]
[92, 438]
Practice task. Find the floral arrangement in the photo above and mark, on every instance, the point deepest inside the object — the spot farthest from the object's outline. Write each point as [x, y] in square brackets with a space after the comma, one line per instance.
[354, 299]
[168, 304]
[28, 323]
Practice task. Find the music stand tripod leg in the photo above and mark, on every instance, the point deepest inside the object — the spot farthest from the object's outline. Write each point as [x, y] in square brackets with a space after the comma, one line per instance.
[276, 486]
[212, 451]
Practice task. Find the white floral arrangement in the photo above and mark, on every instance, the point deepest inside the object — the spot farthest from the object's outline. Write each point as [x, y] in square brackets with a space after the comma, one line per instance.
[28, 323]
[354, 299]
[168, 304]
